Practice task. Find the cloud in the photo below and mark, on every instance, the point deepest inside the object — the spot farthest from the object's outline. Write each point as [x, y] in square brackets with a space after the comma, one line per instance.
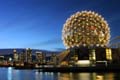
[47, 42]
[60, 49]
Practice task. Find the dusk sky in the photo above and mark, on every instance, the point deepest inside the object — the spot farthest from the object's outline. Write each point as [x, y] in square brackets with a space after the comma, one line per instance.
[38, 24]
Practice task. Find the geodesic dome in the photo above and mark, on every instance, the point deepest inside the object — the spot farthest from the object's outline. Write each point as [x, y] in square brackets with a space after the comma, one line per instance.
[85, 28]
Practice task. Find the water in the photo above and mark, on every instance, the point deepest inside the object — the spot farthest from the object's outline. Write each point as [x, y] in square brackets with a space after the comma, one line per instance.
[13, 74]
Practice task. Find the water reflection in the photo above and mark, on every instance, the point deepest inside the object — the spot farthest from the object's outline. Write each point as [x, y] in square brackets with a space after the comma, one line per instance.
[86, 76]
[45, 76]
[105, 76]
[9, 73]
[16, 74]
[37, 75]
[13, 74]
[74, 76]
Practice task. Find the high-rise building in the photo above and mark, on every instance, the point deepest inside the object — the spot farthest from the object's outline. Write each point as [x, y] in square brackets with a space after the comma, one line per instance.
[15, 55]
[40, 57]
[28, 55]
[21, 57]
[54, 59]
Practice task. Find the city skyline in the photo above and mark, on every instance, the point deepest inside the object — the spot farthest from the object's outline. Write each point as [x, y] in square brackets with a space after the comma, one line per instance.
[38, 24]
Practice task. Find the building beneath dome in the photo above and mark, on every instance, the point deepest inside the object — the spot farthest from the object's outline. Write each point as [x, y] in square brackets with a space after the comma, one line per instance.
[92, 56]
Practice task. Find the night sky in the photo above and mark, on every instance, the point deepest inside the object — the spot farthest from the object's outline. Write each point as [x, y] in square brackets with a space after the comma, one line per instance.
[38, 24]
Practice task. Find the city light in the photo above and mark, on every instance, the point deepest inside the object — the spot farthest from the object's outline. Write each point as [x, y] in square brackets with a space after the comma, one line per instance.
[83, 63]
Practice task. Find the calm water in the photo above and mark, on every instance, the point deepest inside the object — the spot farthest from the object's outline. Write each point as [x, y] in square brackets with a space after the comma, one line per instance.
[12, 74]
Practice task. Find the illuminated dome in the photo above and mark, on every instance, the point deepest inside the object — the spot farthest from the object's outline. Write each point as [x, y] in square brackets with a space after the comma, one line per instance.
[85, 28]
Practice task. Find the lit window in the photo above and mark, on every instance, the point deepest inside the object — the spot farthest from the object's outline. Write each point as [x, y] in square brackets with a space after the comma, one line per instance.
[108, 54]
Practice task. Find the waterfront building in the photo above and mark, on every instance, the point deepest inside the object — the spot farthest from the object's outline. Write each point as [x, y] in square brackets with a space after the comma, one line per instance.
[28, 55]
[40, 57]
[15, 56]
[54, 59]
[22, 57]
[84, 56]
[1, 60]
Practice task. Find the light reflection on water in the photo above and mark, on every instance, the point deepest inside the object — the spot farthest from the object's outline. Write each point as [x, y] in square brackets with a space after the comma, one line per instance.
[12, 74]
[9, 73]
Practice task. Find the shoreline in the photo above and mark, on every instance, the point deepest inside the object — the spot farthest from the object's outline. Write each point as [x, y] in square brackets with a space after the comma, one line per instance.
[100, 68]
[73, 69]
